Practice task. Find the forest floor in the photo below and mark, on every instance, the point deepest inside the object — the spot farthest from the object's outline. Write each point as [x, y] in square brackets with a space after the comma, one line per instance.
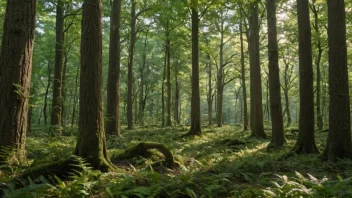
[209, 167]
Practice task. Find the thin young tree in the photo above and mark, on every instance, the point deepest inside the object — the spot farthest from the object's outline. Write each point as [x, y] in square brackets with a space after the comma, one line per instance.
[306, 142]
[15, 75]
[339, 137]
[113, 93]
[91, 143]
[278, 137]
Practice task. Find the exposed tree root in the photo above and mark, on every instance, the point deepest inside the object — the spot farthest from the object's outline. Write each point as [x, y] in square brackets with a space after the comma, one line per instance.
[234, 142]
[142, 149]
[300, 148]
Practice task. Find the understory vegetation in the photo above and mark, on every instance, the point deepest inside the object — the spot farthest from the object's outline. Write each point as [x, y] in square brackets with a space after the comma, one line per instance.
[223, 162]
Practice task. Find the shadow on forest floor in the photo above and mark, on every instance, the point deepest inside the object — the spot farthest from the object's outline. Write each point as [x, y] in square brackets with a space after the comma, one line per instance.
[209, 166]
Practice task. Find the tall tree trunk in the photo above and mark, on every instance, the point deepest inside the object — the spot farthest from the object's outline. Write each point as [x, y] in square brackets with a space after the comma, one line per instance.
[113, 92]
[168, 77]
[220, 78]
[195, 101]
[15, 75]
[317, 63]
[143, 88]
[306, 141]
[278, 137]
[220, 84]
[46, 95]
[177, 96]
[130, 67]
[91, 143]
[339, 137]
[210, 92]
[75, 99]
[243, 75]
[56, 109]
[255, 75]
[163, 91]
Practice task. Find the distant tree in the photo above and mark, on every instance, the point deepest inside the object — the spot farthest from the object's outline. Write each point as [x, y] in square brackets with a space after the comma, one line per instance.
[339, 138]
[91, 143]
[130, 74]
[57, 103]
[113, 83]
[15, 74]
[306, 141]
[257, 127]
[243, 77]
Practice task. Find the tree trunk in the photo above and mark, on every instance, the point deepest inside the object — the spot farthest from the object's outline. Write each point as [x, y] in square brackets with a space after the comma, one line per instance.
[220, 79]
[339, 137]
[15, 75]
[255, 75]
[91, 143]
[210, 92]
[130, 67]
[177, 96]
[163, 91]
[168, 77]
[317, 63]
[305, 143]
[278, 137]
[243, 75]
[113, 92]
[46, 95]
[75, 99]
[56, 109]
[195, 101]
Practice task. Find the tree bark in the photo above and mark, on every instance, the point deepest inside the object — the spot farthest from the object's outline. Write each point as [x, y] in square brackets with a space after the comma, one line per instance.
[15, 75]
[257, 127]
[168, 76]
[91, 143]
[306, 141]
[220, 77]
[56, 109]
[317, 63]
[339, 137]
[278, 137]
[243, 75]
[130, 67]
[113, 93]
[195, 101]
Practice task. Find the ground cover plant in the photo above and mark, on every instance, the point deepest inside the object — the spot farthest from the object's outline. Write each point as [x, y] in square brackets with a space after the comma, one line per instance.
[209, 166]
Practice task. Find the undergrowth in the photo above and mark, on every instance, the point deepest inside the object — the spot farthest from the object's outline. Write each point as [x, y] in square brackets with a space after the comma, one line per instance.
[209, 167]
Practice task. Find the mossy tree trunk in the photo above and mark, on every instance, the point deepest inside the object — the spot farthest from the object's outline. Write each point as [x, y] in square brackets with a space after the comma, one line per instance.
[339, 137]
[56, 109]
[91, 143]
[15, 74]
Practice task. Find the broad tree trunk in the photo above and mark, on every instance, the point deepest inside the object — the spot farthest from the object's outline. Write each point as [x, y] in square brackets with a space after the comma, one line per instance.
[339, 137]
[15, 75]
[56, 109]
[113, 93]
[91, 143]
[243, 76]
[306, 140]
[257, 127]
[278, 137]
[195, 101]
[130, 67]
